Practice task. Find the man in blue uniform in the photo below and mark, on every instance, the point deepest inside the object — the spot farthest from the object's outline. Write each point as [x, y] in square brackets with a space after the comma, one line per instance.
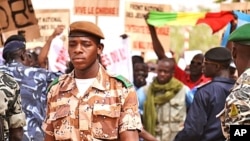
[33, 84]
[201, 123]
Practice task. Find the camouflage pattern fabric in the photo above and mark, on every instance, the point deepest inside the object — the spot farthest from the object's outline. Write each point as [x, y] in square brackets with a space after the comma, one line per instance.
[10, 104]
[33, 84]
[237, 106]
[107, 108]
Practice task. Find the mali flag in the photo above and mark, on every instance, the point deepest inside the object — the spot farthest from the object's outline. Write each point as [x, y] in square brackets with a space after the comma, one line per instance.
[216, 20]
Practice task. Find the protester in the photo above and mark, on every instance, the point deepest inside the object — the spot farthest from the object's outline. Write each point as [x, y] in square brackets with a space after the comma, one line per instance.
[201, 123]
[40, 54]
[12, 117]
[236, 110]
[137, 59]
[192, 79]
[88, 103]
[152, 67]
[195, 76]
[33, 83]
[33, 58]
[140, 73]
[164, 107]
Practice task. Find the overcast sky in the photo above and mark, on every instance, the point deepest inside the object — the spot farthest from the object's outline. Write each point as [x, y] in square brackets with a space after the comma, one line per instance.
[191, 5]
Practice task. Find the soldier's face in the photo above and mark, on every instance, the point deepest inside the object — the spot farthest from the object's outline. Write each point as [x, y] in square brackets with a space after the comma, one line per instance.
[83, 51]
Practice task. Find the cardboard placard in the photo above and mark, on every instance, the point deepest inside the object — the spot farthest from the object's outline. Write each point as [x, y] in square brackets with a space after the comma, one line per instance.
[96, 7]
[137, 29]
[48, 20]
[18, 17]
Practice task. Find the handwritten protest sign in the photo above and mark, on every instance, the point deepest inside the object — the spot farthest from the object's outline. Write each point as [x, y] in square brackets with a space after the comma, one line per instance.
[136, 27]
[17, 17]
[118, 60]
[48, 19]
[96, 7]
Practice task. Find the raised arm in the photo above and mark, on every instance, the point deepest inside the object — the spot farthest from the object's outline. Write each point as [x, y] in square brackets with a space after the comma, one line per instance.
[157, 46]
[42, 57]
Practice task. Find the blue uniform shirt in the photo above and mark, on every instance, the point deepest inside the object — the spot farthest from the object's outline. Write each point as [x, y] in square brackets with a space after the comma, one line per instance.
[33, 84]
[201, 123]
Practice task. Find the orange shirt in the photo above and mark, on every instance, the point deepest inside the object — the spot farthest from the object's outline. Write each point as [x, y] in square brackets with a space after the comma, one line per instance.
[185, 78]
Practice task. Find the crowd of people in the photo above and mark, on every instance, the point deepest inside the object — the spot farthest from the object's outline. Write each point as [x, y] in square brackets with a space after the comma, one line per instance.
[86, 102]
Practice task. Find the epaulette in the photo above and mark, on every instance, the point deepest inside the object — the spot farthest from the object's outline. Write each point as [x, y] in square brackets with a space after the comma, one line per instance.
[203, 84]
[54, 82]
[124, 80]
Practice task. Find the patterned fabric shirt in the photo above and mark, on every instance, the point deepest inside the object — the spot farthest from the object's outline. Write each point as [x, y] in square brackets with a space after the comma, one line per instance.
[10, 104]
[237, 107]
[107, 108]
[33, 84]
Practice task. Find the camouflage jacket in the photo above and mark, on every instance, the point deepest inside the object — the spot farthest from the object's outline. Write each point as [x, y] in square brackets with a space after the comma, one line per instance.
[107, 108]
[10, 104]
[237, 106]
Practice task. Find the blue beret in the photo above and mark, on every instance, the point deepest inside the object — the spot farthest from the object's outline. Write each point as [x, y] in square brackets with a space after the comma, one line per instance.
[218, 54]
[241, 35]
[12, 44]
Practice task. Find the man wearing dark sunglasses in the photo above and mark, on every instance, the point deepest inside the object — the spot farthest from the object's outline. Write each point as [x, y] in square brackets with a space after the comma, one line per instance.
[196, 76]
[201, 123]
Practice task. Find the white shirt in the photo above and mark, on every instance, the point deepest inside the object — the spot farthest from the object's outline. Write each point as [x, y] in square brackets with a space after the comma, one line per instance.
[83, 85]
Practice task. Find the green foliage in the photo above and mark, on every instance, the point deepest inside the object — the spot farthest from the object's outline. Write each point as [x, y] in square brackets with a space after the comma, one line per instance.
[200, 38]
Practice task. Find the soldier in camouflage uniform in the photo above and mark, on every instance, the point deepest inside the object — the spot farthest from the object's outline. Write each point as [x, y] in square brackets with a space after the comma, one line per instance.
[12, 117]
[89, 104]
[237, 106]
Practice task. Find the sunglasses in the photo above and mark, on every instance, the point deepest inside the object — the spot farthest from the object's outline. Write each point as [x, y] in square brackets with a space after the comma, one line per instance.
[195, 63]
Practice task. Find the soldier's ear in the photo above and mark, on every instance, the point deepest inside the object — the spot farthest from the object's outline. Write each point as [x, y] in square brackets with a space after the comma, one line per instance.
[234, 52]
[100, 48]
